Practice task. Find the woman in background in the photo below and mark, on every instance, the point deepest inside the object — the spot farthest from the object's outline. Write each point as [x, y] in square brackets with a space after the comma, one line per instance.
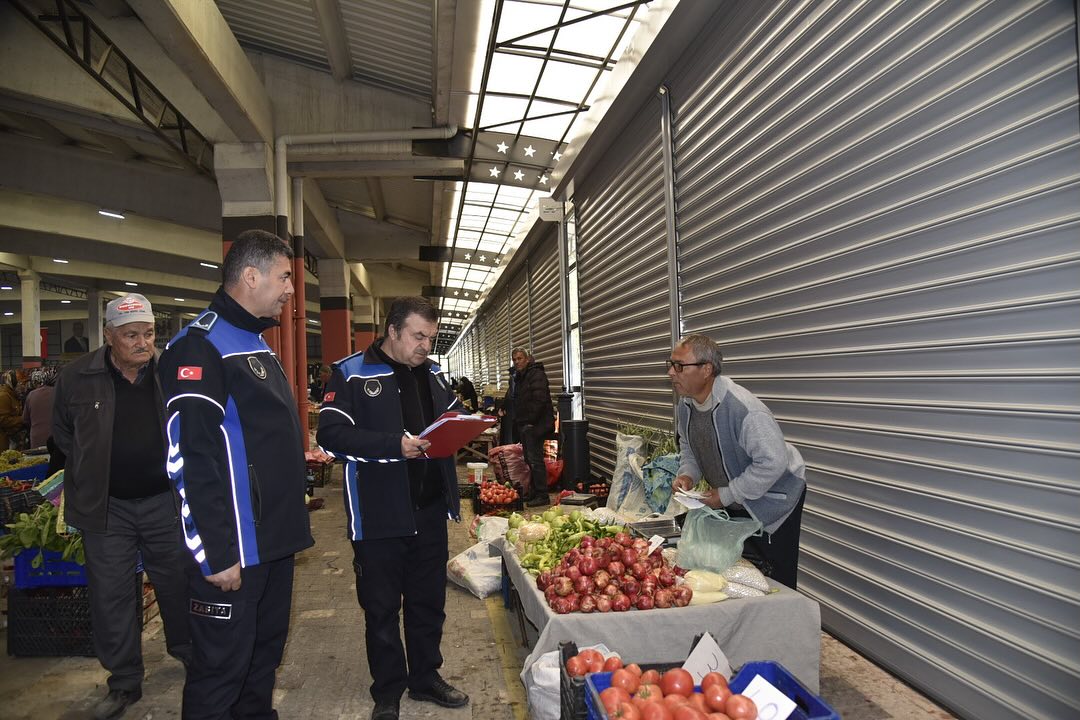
[11, 421]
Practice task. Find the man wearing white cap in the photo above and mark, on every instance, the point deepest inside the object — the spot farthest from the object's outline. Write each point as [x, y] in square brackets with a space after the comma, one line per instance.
[109, 420]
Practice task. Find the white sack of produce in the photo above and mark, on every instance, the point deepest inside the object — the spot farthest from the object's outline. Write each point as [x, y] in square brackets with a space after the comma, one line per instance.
[541, 680]
[738, 590]
[477, 570]
[491, 528]
[744, 573]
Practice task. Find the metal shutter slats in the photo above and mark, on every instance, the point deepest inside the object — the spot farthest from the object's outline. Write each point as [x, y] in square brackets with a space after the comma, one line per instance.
[546, 340]
[624, 303]
[878, 207]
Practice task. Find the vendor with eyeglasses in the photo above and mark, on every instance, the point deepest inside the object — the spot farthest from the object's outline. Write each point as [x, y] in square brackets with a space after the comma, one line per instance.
[730, 438]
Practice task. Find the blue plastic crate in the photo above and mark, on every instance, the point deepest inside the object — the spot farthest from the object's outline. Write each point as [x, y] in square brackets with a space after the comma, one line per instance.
[54, 571]
[808, 706]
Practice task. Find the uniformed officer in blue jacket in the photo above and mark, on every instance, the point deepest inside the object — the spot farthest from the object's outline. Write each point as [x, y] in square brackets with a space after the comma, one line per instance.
[236, 459]
[397, 501]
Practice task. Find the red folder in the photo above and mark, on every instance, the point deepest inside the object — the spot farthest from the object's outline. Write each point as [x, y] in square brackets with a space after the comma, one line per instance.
[451, 431]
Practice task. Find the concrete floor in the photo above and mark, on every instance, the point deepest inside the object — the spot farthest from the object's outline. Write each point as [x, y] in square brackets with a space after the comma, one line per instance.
[325, 674]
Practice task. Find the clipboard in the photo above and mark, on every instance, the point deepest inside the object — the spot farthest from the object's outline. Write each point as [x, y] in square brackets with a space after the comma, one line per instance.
[451, 431]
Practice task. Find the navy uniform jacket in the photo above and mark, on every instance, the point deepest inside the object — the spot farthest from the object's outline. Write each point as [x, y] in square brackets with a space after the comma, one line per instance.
[235, 455]
[361, 422]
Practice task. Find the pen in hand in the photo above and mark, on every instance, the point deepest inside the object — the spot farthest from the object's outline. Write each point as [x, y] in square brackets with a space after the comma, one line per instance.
[413, 437]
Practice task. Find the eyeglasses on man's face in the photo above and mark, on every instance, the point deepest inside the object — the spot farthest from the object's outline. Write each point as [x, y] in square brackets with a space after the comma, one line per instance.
[680, 365]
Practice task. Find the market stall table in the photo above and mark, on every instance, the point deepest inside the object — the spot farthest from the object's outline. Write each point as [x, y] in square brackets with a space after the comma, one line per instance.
[783, 626]
[479, 446]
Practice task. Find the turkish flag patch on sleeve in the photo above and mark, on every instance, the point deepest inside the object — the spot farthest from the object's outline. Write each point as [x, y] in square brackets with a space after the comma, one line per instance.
[329, 396]
[189, 372]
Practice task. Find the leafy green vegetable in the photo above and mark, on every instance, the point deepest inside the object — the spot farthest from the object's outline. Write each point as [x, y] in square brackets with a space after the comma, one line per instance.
[37, 531]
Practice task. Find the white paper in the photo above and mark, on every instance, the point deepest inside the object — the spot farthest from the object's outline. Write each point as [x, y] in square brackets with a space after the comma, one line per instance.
[771, 703]
[706, 657]
[654, 542]
[688, 501]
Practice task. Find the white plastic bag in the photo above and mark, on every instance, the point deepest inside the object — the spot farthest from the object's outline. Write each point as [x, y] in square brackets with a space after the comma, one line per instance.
[627, 493]
[491, 528]
[542, 687]
[542, 680]
[478, 570]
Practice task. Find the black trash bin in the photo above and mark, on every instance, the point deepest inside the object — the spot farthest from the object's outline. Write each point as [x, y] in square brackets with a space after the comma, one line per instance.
[574, 444]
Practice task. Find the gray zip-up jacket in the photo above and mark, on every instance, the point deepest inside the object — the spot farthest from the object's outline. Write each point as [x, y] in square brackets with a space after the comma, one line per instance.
[766, 475]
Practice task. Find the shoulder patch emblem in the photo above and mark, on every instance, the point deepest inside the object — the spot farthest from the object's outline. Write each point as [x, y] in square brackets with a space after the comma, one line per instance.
[189, 372]
[205, 321]
[257, 367]
[329, 397]
[372, 387]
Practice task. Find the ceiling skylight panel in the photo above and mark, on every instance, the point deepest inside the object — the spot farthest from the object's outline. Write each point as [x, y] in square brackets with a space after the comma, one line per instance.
[521, 18]
[498, 110]
[589, 36]
[512, 74]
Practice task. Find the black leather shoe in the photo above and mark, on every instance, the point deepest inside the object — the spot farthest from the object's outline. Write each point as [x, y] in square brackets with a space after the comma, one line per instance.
[441, 693]
[385, 710]
[115, 703]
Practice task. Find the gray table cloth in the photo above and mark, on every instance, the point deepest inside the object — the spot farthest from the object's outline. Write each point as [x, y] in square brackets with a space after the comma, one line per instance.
[784, 626]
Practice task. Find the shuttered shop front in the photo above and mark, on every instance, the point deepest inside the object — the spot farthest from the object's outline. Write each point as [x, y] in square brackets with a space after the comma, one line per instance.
[500, 351]
[623, 288]
[878, 213]
[546, 337]
[519, 308]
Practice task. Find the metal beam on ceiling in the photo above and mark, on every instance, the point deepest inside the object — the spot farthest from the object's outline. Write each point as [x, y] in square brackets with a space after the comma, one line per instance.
[89, 47]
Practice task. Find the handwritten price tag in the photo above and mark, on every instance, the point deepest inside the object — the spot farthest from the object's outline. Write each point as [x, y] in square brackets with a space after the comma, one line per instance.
[706, 657]
[771, 703]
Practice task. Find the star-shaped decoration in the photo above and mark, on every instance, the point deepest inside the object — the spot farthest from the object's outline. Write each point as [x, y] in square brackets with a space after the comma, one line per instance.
[455, 292]
[543, 179]
[483, 258]
[557, 155]
[468, 256]
[530, 151]
[502, 147]
[519, 175]
[498, 260]
[493, 171]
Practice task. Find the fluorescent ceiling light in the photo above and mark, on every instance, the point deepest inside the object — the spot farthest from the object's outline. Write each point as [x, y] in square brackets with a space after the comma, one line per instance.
[6, 287]
[212, 266]
[179, 299]
[58, 260]
[131, 284]
[9, 313]
[65, 302]
[108, 213]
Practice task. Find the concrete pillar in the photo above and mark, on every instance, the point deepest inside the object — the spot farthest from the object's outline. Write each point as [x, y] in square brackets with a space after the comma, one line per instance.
[364, 325]
[31, 318]
[176, 324]
[95, 322]
[335, 311]
[245, 177]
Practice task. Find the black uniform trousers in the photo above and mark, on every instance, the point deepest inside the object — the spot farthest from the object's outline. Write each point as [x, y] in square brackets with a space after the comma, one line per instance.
[148, 526]
[777, 555]
[238, 639]
[404, 572]
[532, 447]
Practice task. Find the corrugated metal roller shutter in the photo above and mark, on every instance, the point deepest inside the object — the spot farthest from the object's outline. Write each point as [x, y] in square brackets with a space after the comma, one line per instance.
[483, 367]
[519, 309]
[546, 340]
[879, 206]
[501, 349]
[623, 288]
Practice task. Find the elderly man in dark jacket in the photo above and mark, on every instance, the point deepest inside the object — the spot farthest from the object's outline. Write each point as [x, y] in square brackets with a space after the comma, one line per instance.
[108, 419]
[534, 418]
